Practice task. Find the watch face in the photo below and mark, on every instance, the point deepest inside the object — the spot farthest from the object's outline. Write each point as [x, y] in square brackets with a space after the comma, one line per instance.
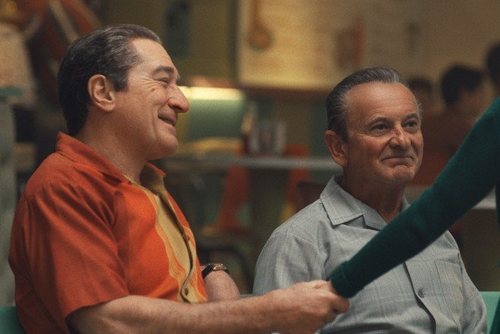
[213, 267]
[218, 266]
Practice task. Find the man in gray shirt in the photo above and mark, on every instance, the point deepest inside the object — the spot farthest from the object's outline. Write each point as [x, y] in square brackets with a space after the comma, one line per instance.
[374, 134]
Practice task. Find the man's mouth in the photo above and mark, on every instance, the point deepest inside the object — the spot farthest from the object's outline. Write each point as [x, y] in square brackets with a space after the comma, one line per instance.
[168, 120]
[401, 158]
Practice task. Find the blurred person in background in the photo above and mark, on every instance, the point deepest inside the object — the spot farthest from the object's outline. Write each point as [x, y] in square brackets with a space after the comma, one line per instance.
[493, 66]
[48, 27]
[16, 92]
[464, 93]
[423, 89]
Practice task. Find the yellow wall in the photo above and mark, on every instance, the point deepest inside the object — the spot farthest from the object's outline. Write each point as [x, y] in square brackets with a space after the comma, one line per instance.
[211, 47]
[458, 31]
[451, 31]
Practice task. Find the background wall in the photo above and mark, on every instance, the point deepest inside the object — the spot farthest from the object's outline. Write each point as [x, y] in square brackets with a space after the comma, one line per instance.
[450, 31]
[209, 28]
[458, 30]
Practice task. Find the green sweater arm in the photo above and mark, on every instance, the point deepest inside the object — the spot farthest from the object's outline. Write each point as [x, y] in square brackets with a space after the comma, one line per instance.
[468, 177]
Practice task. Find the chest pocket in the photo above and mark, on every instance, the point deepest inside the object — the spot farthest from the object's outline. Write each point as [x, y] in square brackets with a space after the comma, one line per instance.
[438, 286]
[450, 278]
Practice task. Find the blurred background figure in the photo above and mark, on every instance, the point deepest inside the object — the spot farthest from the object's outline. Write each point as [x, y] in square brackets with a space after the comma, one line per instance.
[423, 89]
[16, 91]
[465, 97]
[48, 27]
[493, 66]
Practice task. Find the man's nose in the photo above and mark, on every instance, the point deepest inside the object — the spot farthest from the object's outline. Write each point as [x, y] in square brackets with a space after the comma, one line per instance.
[399, 138]
[178, 101]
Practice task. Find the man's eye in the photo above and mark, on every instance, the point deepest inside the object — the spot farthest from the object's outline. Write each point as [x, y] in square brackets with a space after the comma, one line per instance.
[412, 124]
[165, 81]
[379, 127]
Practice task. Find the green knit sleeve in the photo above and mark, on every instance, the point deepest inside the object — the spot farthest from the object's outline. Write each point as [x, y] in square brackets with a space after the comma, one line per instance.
[468, 177]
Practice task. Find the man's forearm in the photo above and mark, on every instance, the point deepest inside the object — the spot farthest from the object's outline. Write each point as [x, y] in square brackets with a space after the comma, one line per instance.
[137, 314]
[300, 308]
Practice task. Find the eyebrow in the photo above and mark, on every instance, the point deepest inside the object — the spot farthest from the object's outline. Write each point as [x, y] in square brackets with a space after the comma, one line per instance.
[168, 70]
[384, 119]
[416, 114]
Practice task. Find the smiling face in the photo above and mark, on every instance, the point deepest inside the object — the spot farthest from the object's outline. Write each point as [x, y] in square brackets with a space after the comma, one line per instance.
[147, 109]
[385, 144]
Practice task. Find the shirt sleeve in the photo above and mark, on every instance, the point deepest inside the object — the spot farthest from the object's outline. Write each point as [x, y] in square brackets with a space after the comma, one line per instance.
[68, 255]
[472, 172]
[287, 259]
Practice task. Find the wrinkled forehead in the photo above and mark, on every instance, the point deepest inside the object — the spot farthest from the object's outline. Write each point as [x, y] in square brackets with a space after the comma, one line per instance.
[154, 56]
[380, 98]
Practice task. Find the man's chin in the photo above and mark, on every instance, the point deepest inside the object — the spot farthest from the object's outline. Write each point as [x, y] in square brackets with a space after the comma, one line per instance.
[165, 151]
[404, 177]
[403, 173]
[170, 151]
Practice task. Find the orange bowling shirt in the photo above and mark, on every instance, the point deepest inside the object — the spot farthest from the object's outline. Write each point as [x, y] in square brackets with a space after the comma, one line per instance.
[84, 234]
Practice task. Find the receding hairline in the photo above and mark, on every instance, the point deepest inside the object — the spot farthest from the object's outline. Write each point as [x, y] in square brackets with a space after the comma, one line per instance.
[167, 69]
[348, 98]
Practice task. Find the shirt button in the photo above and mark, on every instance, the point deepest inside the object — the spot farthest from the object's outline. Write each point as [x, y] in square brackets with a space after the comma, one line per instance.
[420, 293]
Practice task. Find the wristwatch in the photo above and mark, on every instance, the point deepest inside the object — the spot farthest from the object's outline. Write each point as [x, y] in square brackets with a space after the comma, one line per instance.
[213, 267]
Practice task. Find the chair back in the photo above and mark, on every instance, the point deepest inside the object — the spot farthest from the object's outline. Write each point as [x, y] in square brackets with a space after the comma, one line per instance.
[492, 301]
[9, 323]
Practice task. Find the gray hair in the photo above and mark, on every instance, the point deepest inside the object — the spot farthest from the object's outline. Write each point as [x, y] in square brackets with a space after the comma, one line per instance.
[336, 106]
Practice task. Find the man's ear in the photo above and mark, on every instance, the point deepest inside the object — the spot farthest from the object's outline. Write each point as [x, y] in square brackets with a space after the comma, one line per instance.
[337, 146]
[101, 92]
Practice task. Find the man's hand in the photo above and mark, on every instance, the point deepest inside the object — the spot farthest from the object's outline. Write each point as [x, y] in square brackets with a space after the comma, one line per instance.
[306, 307]
[220, 286]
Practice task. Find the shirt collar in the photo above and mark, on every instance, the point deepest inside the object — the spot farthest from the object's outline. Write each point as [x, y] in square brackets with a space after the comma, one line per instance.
[342, 208]
[79, 152]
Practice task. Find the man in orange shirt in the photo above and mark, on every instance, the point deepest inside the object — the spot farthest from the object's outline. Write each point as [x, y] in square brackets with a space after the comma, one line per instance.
[98, 245]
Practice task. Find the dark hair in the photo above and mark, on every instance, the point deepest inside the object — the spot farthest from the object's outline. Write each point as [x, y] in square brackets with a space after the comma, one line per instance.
[493, 63]
[420, 83]
[106, 51]
[458, 78]
[336, 107]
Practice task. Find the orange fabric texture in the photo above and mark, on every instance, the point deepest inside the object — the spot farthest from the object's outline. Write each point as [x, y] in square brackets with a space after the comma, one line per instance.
[84, 234]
